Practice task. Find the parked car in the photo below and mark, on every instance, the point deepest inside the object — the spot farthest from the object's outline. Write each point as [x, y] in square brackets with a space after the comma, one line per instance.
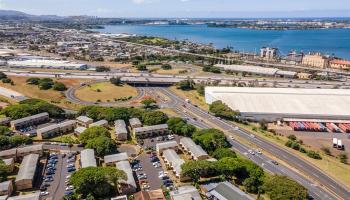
[44, 193]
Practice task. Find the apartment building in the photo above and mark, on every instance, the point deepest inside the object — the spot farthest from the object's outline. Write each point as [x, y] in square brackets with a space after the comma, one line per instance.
[316, 60]
[195, 151]
[30, 121]
[27, 171]
[56, 129]
[160, 147]
[151, 131]
[84, 121]
[340, 64]
[121, 131]
[102, 123]
[135, 123]
[111, 160]
[127, 186]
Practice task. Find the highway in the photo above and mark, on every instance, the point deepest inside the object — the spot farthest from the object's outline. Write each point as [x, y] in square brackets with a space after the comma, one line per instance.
[316, 191]
[145, 78]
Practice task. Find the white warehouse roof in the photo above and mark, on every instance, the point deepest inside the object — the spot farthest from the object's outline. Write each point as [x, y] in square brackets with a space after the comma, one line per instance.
[285, 102]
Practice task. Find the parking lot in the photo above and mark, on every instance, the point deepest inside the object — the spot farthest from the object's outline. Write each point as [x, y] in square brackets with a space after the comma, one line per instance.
[149, 168]
[55, 182]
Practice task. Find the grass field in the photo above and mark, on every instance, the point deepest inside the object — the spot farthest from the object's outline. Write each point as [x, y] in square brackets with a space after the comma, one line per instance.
[51, 96]
[192, 95]
[105, 92]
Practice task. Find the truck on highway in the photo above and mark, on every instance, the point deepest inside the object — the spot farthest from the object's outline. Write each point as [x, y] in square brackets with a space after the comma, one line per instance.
[335, 143]
[340, 145]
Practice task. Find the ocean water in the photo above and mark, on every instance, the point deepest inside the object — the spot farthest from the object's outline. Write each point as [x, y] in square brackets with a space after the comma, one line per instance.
[328, 41]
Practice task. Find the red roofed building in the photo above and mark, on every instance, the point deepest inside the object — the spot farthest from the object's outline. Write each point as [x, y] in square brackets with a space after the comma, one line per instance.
[339, 64]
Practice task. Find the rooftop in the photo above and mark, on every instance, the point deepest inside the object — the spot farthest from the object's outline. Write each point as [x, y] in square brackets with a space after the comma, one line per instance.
[87, 158]
[84, 119]
[151, 128]
[196, 150]
[187, 192]
[322, 102]
[166, 145]
[17, 121]
[116, 157]
[125, 166]
[120, 127]
[28, 167]
[99, 123]
[135, 121]
[80, 129]
[4, 186]
[227, 191]
[33, 196]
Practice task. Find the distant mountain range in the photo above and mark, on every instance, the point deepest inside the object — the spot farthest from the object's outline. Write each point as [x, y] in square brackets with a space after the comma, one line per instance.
[18, 15]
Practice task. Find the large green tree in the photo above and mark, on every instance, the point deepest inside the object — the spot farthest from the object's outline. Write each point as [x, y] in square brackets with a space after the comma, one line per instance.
[99, 182]
[31, 107]
[4, 130]
[102, 145]
[148, 102]
[222, 110]
[180, 127]
[210, 139]
[93, 133]
[199, 168]
[150, 118]
[281, 188]
[4, 170]
[223, 153]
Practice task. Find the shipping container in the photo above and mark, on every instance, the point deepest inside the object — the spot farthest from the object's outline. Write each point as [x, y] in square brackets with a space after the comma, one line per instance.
[330, 127]
[336, 128]
[344, 128]
[301, 125]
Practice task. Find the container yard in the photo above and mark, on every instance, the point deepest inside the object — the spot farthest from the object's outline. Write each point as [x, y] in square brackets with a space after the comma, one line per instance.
[319, 127]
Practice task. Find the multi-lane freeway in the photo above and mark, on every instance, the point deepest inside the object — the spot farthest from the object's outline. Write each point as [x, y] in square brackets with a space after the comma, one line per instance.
[320, 185]
[147, 78]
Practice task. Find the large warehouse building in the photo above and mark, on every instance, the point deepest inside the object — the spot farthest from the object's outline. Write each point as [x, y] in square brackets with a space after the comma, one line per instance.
[274, 104]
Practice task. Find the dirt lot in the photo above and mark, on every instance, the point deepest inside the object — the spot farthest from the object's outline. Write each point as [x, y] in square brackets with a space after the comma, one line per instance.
[317, 140]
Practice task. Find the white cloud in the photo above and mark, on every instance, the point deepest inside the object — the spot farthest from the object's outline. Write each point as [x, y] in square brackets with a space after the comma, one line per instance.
[139, 1]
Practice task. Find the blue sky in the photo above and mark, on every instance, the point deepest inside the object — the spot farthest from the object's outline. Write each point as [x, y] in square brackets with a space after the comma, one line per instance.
[183, 8]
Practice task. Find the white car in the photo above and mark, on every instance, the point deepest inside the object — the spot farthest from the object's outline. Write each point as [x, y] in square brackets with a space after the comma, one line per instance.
[251, 135]
[68, 177]
[258, 152]
[44, 193]
[70, 187]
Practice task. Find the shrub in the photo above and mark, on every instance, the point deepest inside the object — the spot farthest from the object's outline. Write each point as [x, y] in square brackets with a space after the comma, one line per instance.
[6, 80]
[343, 158]
[292, 137]
[314, 155]
[166, 67]
[59, 86]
